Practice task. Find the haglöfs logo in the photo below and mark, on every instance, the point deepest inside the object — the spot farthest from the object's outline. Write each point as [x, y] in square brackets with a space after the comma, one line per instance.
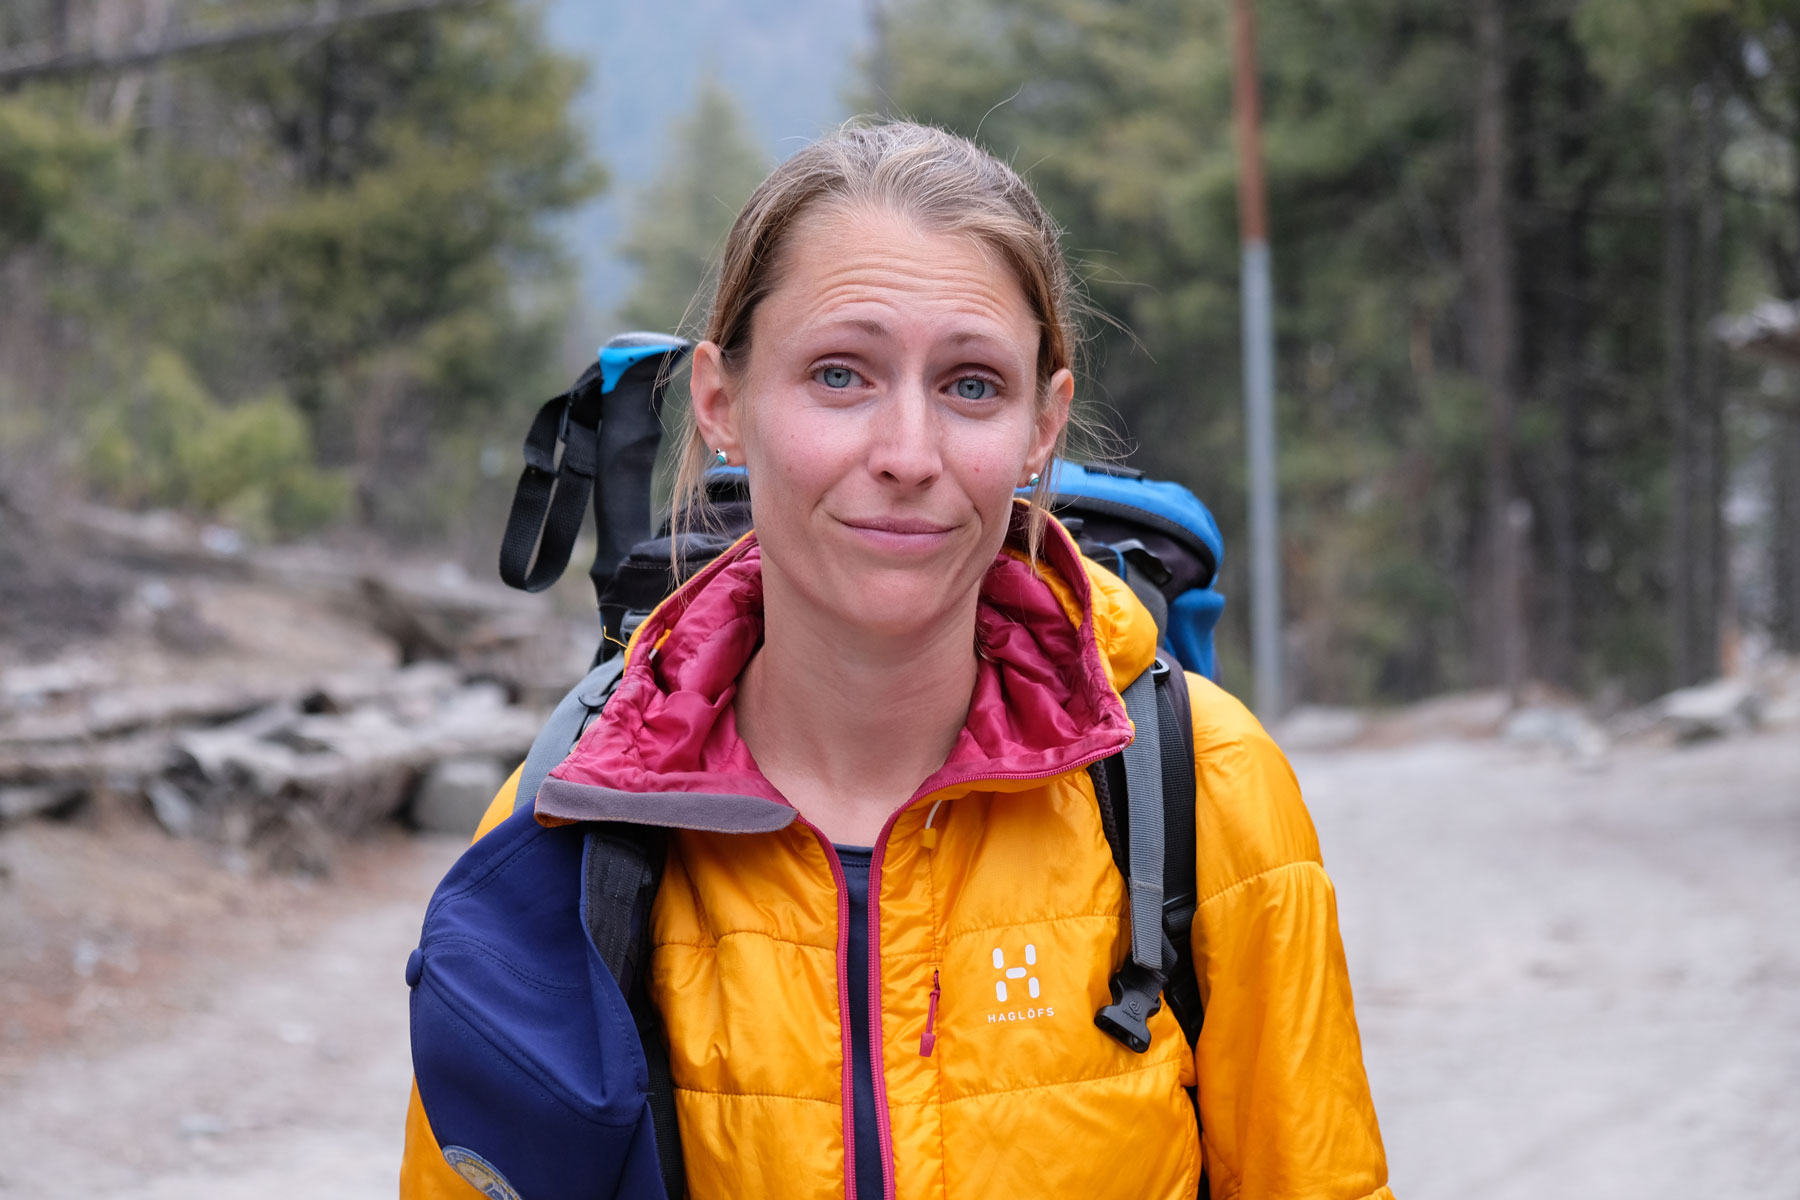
[1015, 973]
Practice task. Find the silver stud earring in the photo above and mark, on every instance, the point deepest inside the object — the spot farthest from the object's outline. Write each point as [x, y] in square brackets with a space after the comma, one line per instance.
[1033, 481]
[720, 457]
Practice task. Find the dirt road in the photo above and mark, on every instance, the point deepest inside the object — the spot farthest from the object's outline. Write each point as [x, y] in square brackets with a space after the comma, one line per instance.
[1575, 984]
[1571, 984]
[269, 1061]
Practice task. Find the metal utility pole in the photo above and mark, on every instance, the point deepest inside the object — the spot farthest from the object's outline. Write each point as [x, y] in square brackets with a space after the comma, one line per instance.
[1259, 372]
[1508, 517]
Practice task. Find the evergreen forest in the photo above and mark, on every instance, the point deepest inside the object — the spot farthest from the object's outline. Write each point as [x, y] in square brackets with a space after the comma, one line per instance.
[298, 270]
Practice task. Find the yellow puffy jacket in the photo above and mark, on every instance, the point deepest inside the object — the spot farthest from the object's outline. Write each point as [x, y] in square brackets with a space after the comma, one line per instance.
[993, 888]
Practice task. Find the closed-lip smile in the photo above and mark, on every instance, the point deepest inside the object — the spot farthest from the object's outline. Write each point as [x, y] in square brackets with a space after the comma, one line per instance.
[908, 526]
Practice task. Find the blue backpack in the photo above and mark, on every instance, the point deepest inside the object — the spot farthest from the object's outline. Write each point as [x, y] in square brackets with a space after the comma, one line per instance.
[1159, 539]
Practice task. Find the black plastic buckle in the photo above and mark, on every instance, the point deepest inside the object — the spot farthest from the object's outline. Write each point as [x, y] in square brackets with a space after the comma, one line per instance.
[1145, 561]
[1136, 997]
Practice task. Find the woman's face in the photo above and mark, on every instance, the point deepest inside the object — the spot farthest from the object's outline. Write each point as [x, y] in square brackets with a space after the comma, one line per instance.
[887, 412]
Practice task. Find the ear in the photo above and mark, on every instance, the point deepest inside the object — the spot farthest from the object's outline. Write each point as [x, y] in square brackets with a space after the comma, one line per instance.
[1054, 415]
[715, 401]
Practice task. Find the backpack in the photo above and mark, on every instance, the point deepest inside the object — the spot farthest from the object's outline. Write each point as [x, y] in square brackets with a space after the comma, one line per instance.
[1157, 536]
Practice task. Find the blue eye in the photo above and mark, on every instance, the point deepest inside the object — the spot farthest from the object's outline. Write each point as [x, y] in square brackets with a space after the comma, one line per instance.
[836, 377]
[974, 387]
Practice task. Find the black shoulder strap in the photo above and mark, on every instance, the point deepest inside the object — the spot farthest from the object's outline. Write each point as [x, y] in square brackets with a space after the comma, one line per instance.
[1146, 798]
[1181, 884]
[621, 869]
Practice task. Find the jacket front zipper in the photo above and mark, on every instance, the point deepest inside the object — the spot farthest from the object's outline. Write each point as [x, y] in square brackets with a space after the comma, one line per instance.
[883, 1126]
[847, 1082]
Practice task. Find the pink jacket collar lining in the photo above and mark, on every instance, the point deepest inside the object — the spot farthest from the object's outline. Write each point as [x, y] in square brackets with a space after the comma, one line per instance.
[666, 750]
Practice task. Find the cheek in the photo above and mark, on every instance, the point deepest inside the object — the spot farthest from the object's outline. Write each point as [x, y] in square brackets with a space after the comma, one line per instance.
[798, 456]
[798, 459]
[993, 462]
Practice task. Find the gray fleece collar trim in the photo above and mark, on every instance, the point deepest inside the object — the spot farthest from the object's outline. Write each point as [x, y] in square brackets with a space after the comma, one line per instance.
[711, 811]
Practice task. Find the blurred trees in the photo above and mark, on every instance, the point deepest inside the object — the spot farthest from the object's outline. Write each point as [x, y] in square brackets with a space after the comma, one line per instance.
[680, 221]
[308, 272]
[311, 278]
[1537, 201]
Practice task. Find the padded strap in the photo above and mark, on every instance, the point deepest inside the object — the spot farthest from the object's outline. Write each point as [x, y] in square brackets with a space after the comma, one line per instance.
[1175, 727]
[1144, 822]
[1146, 800]
[1137, 984]
[621, 868]
[551, 498]
[661, 1099]
[564, 728]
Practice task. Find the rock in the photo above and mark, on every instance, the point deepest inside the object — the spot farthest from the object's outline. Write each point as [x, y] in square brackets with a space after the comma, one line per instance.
[1559, 727]
[30, 686]
[1718, 709]
[1779, 686]
[436, 614]
[1457, 715]
[17, 803]
[172, 705]
[120, 763]
[201, 1124]
[174, 810]
[1317, 727]
[455, 793]
[85, 957]
[1643, 724]
[183, 629]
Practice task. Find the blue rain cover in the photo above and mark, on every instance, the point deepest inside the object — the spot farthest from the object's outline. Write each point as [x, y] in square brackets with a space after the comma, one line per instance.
[1171, 510]
[526, 1057]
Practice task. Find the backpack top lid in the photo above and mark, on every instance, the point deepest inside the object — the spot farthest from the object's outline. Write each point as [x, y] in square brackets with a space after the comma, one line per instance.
[629, 349]
[1167, 507]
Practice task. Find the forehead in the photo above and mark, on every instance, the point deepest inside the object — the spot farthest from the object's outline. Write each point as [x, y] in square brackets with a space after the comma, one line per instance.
[883, 272]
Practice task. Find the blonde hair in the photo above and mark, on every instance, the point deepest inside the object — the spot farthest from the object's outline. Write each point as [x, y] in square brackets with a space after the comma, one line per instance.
[946, 184]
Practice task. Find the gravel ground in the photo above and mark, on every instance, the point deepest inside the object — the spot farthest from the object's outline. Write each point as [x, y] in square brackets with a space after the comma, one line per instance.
[1575, 983]
[1572, 983]
[270, 1061]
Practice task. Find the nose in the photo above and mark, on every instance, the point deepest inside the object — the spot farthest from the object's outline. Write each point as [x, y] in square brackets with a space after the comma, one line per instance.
[905, 442]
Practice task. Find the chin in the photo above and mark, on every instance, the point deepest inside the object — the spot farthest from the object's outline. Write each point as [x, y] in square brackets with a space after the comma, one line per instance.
[894, 609]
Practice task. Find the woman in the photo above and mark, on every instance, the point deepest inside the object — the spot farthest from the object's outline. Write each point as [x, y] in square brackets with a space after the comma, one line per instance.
[889, 911]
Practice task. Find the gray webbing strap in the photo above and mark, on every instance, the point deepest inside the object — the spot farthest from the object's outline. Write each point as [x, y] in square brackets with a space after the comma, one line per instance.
[570, 717]
[1144, 806]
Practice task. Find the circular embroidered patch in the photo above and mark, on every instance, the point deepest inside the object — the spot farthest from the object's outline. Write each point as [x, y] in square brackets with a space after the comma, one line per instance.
[481, 1173]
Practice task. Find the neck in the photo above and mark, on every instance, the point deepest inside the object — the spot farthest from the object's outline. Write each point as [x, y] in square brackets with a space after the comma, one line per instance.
[848, 725]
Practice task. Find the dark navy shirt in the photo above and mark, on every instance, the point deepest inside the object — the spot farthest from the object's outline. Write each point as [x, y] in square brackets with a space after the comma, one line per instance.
[856, 861]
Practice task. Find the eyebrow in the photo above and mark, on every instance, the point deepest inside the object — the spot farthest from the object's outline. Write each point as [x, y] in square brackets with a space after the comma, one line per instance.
[876, 329]
[862, 324]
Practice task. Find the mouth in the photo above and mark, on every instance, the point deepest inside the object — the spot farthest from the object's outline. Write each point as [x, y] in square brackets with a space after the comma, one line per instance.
[899, 538]
[900, 526]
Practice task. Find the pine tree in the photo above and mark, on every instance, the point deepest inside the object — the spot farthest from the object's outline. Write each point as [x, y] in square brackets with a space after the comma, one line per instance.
[681, 219]
[352, 225]
[1120, 116]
